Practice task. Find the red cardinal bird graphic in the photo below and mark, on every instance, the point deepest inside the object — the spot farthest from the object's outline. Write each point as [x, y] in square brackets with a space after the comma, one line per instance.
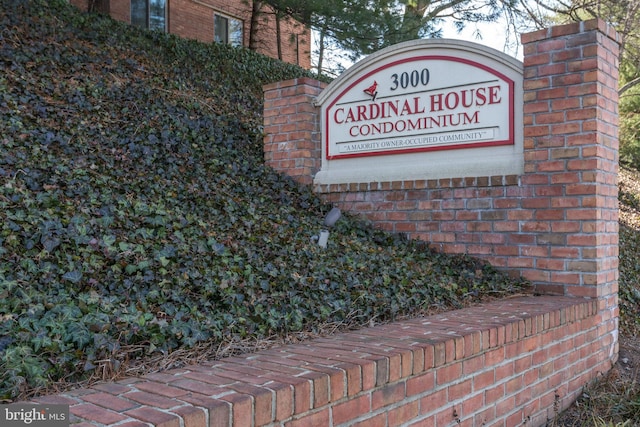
[371, 90]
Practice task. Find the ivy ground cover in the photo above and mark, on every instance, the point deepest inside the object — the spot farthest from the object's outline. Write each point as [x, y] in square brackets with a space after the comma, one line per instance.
[137, 219]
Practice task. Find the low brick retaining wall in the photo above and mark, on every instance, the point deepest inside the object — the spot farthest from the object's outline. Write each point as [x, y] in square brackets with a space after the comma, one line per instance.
[512, 362]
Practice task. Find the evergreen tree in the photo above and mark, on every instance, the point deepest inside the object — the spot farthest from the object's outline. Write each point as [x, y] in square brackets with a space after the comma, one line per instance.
[362, 27]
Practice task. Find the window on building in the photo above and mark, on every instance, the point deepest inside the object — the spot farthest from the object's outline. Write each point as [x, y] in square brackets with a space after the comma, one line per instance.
[227, 30]
[151, 14]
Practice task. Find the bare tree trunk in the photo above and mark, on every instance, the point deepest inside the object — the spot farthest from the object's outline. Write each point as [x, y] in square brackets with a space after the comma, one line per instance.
[278, 36]
[256, 11]
[98, 6]
[321, 51]
[411, 23]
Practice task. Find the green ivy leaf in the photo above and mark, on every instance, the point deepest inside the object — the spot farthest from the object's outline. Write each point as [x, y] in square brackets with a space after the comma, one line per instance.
[73, 276]
[135, 159]
[50, 243]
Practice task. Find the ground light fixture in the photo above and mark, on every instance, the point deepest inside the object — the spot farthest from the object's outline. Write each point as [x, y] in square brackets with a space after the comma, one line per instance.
[329, 220]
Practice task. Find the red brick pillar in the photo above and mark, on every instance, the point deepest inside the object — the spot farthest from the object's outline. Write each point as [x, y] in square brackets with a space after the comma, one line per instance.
[571, 157]
[292, 128]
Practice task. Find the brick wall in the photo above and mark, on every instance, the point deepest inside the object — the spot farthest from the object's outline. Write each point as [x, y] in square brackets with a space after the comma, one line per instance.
[194, 19]
[507, 363]
[571, 156]
[556, 224]
[292, 128]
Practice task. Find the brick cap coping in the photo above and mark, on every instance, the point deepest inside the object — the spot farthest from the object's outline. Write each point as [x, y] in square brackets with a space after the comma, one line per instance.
[278, 384]
[597, 24]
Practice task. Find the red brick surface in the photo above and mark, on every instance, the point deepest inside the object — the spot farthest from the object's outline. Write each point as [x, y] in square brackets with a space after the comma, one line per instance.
[513, 353]
[556, 224]
[194, 20]
[292, 128]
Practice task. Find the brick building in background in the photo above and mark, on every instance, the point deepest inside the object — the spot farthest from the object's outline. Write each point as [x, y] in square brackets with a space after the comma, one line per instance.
[225, 21]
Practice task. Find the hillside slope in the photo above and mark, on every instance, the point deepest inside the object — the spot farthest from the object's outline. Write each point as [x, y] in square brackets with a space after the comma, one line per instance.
[138, 222]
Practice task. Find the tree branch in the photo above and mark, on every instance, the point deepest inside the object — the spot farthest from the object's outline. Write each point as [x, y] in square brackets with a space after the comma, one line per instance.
[629, 85]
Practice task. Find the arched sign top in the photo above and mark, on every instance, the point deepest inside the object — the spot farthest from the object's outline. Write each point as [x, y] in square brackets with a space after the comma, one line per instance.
[420, 97]
[458, 48]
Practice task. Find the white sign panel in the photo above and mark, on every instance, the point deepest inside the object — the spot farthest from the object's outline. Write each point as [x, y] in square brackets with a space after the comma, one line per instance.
[420, 103]
[416, 100]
